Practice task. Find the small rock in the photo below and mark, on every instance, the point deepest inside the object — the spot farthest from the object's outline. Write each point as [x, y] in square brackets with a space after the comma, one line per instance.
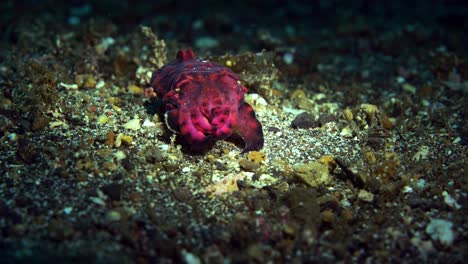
[298, 93]
[227, 185]
[313, 173]
[171, 166]
[407, 189]
[371, 113]
[100, 84]
[123, 140]
[127, 140]
[12, 137]
[72, 86]
[257, 157]
[113, 216]
[133, 124]
[288, 58]
[328, 201]
[409, 88]
[110, 138]
[102, 119]
[67, 210]
[346, 132]
[148, 123]
[305, 103]
[85, 81]
[366, 196]
[274, 129]
[104, 153]
[182, 194]
[348, 114]
[190, 258]
[248, 165]
[134, 89]
[51, 124]
[329, 161]
[369, 157]
[120, 155]
[304, 120]
[441, 230]
[326, 118]
[221, 166]
[328, 216]
[109, 165]
[105, 43]
[154, 154]
[450, 201]
[347, 215]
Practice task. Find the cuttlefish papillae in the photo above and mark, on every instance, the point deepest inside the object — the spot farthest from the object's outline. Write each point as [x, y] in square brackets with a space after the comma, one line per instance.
[204, 102]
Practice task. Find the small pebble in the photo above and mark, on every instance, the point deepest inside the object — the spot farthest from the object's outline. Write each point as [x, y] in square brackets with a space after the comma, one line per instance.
[100, 84]
[102, 119]
[148, 123]
[325, 118]
[97, 200]
[401, 80]
[69, 86]
[110, 138]
[134, 89]
[133, 124]
[248, 165]
[365, 196]
[450, 201]
[328, 216]
[67, 210]
[123, 140]
[288, 58]
[55, 123]
[12, 137]
[346, 132]
[154, 154]
[421, 183]
[409, 88]
[304, 120]
[190, 258]
[407, 189]
[313, 173]
[119, 155]
[113, 216]
[441, 230]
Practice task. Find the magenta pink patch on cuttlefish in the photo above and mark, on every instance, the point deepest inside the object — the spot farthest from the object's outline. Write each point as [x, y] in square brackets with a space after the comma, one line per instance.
[204, 102]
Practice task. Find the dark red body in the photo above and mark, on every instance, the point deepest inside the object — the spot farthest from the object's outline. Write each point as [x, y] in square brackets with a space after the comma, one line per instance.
[204, 102]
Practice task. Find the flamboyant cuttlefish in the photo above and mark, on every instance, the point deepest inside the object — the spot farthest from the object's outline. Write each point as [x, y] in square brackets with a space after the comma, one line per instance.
[204, 102]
